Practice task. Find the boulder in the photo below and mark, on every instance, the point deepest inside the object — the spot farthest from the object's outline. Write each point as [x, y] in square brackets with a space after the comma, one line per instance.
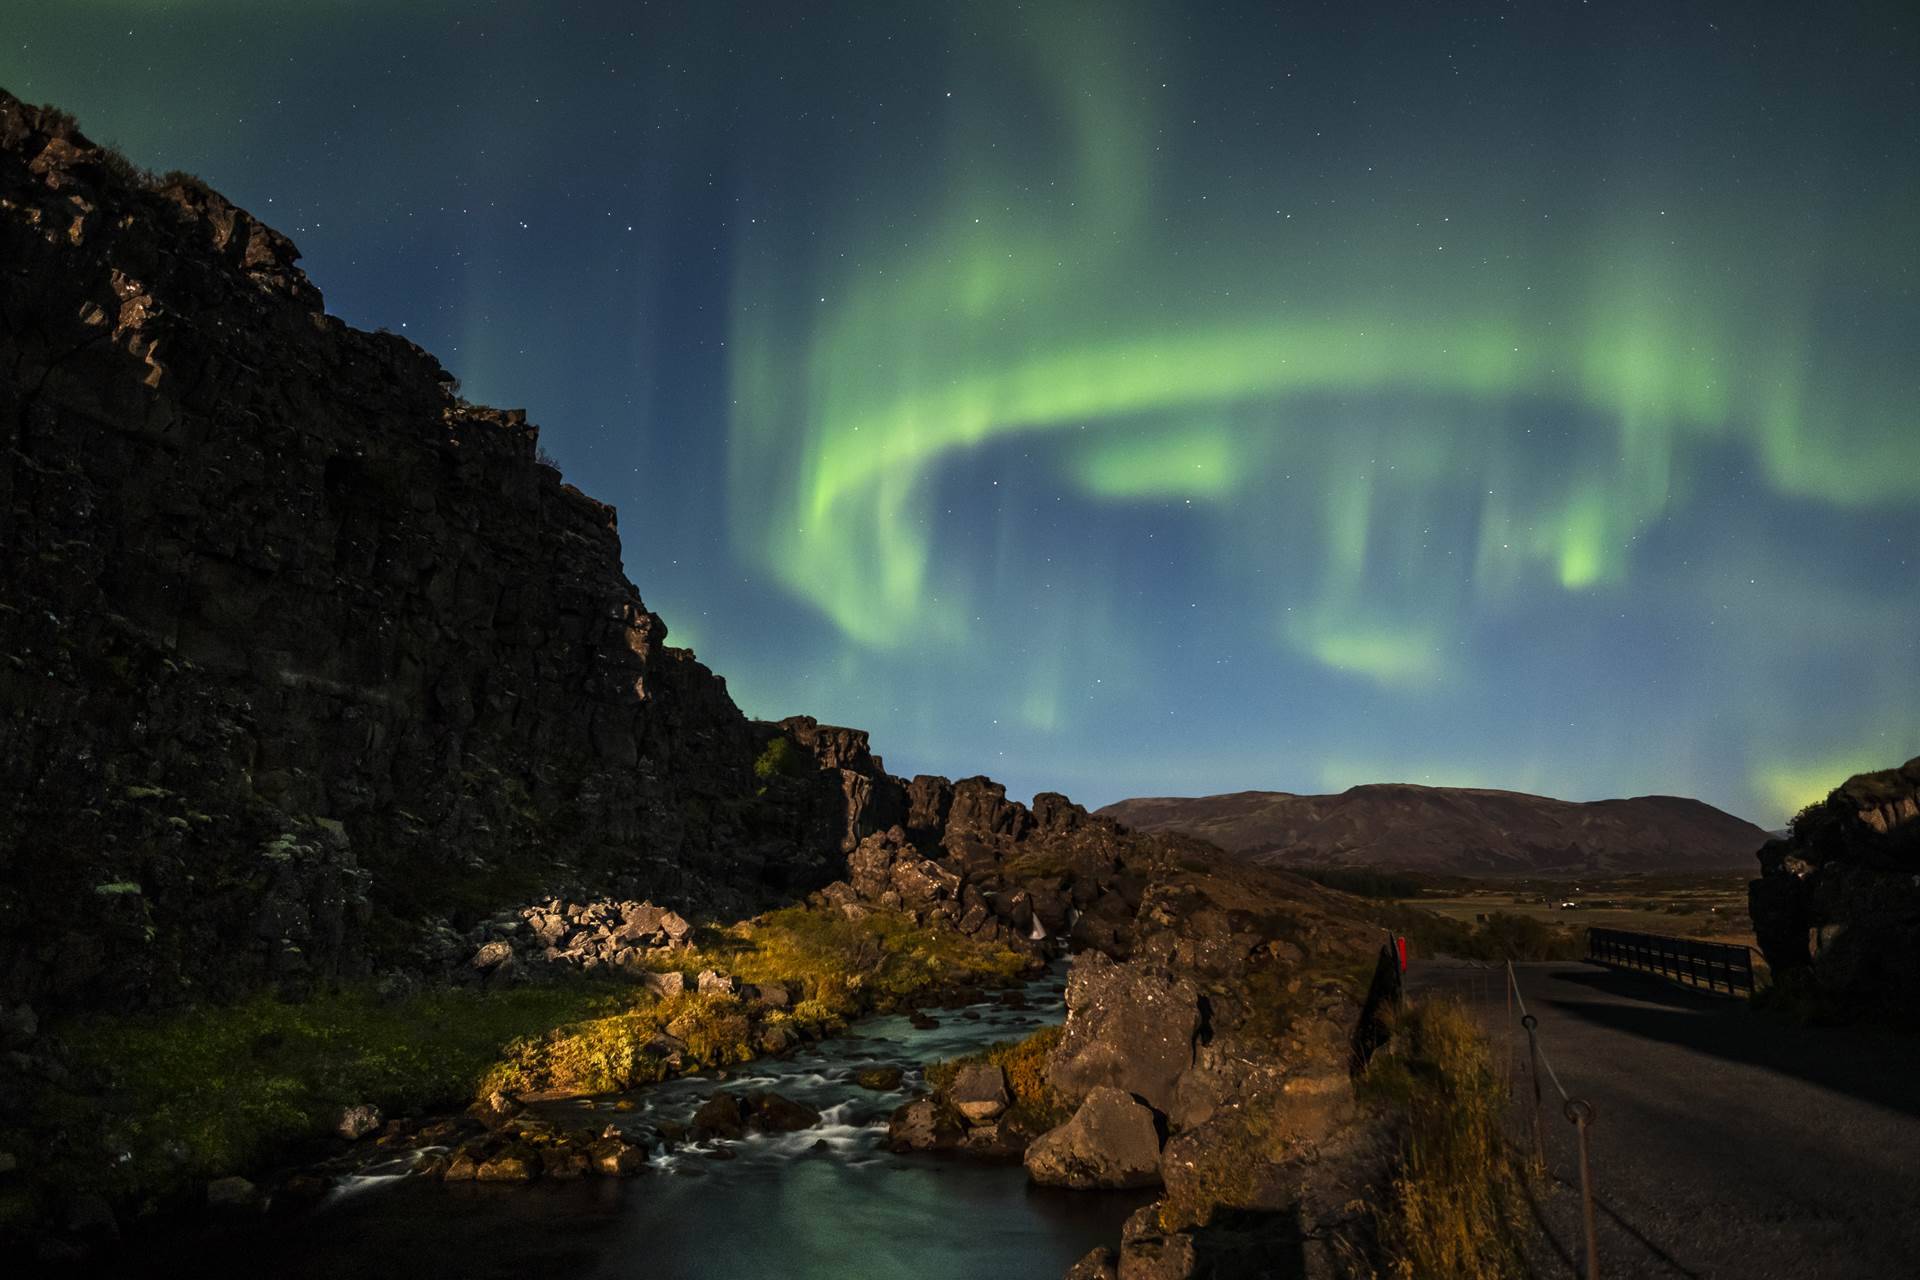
[772, 1113]
[1132, 1026]
[979, 1092]
[356, 1122]
[1111, 1141]
[664, 985]
[1148, 1251]
[719, 1117]
[1098, 1264]
[676, 928]
[491, 956]
[714, 983]
[514, 1164]
[564, 1162]
[879, 1079]
[924, 1124]
[616, 1158]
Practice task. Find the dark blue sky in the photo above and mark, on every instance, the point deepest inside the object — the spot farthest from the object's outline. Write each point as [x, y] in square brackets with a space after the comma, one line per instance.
[1166, 398]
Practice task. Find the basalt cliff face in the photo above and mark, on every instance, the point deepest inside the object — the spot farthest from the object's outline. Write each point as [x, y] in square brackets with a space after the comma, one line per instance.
[301, 656]
[1455, 830]
[1837, 903]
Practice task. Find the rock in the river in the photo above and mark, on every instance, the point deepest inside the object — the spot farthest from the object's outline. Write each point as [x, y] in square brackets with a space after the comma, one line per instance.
[617, 1158]
[879, 1079]
[1098, 1264]
[357, 1122]
[772, 1113]
[1110, 1142]
[233, 1195]
[719, 1117]
[979, 1092]
[924, 1124]
[515, 1164]
[565, 1161]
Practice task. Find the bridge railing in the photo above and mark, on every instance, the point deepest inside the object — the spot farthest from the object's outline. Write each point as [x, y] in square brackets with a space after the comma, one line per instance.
[1712, 966]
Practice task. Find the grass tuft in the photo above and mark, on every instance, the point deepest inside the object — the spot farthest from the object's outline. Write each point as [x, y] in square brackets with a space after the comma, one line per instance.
[1453, 1207]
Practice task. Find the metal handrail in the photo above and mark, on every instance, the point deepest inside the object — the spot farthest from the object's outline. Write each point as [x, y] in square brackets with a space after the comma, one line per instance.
[1578, 1111]
[1710, 966]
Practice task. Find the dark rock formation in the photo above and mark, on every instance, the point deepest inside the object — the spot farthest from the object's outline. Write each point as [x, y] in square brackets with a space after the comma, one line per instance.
[1454, 830]
[298, 650]
[1110, 1142]
[1837, 904]
[1133, 1027]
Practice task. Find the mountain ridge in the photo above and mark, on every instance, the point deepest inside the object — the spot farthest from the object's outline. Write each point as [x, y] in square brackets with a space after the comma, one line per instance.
[1454, 830]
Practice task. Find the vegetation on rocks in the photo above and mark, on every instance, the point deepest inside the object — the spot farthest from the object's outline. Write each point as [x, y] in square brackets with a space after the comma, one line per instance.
[1037, 1105]
[1452, 1208]
[835, 968]
[219, 1089]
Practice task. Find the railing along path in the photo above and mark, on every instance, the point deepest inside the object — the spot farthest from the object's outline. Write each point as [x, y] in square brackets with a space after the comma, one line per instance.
[1720, 967]
[1579, 1113]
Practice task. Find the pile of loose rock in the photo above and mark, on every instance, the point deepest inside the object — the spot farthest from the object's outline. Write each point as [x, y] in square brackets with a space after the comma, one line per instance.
[585, 935]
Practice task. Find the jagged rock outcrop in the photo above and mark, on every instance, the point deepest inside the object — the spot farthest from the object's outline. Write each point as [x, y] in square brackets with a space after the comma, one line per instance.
[1837, 903]
[297, 648]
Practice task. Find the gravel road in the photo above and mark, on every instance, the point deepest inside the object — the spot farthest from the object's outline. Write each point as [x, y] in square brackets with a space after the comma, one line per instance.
[1726, 1143]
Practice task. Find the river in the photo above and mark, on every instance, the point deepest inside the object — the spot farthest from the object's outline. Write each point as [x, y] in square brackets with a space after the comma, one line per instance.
[824, 1202]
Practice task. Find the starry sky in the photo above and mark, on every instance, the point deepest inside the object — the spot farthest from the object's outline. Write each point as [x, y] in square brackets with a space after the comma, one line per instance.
[1155, 398]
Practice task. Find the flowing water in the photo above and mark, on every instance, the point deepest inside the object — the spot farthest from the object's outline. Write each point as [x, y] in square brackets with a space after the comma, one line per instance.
[823, 1202]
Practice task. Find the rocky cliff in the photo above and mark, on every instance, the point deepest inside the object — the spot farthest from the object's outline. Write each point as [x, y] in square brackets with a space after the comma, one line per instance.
[1455, 830]
[302, 657]
[1837, 904]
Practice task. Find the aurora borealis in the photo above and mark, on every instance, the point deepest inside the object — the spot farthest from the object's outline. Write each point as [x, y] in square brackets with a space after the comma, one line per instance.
[1143, 399]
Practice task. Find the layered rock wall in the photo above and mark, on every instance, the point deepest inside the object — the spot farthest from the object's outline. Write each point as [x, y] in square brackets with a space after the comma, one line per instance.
[296, 647]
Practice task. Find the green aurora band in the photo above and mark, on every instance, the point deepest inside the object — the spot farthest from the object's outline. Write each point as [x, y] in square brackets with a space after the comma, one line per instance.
[1401, 367]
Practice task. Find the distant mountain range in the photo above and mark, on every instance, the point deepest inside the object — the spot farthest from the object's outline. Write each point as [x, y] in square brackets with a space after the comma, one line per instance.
[1455, 830]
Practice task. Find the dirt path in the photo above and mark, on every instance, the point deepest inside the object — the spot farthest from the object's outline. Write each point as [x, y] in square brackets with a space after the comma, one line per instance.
[1727, 1144]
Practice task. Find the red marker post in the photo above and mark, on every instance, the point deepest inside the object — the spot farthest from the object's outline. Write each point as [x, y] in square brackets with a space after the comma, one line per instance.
[1400, 948]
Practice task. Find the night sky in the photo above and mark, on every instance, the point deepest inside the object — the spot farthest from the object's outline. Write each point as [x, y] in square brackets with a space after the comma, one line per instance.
[1145, 399]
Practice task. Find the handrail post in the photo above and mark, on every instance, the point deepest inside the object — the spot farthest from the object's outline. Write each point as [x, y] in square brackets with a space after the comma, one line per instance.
[1580, 1112]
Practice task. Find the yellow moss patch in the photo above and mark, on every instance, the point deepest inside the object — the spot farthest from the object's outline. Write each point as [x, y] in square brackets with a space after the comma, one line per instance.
[1036, 1106]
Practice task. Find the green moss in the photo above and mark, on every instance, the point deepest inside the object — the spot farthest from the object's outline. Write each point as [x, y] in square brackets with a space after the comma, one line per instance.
[213, 1090]
[782, 759]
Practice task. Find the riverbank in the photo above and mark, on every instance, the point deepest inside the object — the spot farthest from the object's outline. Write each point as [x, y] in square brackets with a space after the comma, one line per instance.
[139, 1121]
[826, 1200]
